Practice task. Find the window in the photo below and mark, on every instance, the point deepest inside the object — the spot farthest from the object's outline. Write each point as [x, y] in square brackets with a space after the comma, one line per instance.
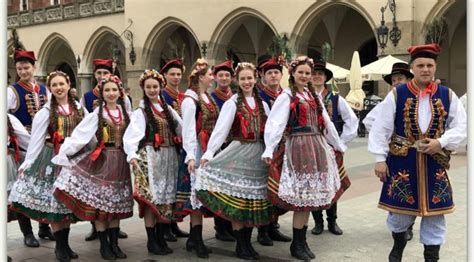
[55, 2]
[23, 5]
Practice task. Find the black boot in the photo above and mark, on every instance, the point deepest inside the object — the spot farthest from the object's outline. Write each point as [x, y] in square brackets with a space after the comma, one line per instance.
[25, 226]
[241, 248]
[177, 231]
[169, 236]
[152, 243]
[113, 236]
[160, 238]
[332, 216]
[248, 241]
[318, 222]
[93, 234]
[72, 254]
[263, 238]
[297, 247]
[399, 243]
[431, 253]
[275, 234]
[105, 249]
[44, 232]
[409, 234]
[306, 246]
[196, 242]
[60, 250]
[222, 233]
[122, 234]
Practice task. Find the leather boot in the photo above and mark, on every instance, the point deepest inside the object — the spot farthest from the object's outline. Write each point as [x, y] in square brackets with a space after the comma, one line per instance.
[44, 232]
[297, 247]
[306, 246]
[177, 231]
[196, 242]
[263, 238]
[169, 236]
[220, 226]
[318, 222]
[25, 226]
[152, 243]
[105, 249]
[160, 238]
[60, 249]
[409, 234]
[248, 241]
[332, 216]
[275, 234]
[72, 254]
[122, 234]
[399, 243]
[93, 234]
[113, 236]
[241, 248]
[431, 253]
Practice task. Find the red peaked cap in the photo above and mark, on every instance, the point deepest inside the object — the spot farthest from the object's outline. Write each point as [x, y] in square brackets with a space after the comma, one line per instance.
[270, 64]
[177, 63]
[103, 63]
[226, 66]
[23, 55]
[428, 51]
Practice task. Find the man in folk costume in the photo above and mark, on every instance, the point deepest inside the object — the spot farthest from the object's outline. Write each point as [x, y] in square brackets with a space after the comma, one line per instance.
[25, 98]
[346, 123]
[223, 74]
[173, 72]
[270, 71]
[418, 124]
[102, 69]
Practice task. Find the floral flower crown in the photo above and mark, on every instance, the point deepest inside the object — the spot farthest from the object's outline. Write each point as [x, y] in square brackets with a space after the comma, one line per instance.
[200, 65]
[114, 79]
[57, 73]
[244, 65]
[299, 61]
[151, 73]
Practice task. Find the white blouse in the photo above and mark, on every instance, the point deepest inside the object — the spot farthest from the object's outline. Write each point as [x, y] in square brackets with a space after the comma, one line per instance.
[39, 132]
[20, 132]
[137, 127]
[278, 120]
[83, 134]
[382, 130]
[224, 124]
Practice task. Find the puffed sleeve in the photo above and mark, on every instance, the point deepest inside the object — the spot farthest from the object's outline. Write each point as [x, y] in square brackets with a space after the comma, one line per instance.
[379, 135]
[188, 109]
[351, 122]
[20, 132]
[38, 134]
[276, 124]
[82, 134]
[134, 134]
[221, 129]
[455, 131]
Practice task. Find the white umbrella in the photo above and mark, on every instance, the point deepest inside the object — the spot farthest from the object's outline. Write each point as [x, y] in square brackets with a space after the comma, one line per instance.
[356, 95]
[339, 73]
[376, 70]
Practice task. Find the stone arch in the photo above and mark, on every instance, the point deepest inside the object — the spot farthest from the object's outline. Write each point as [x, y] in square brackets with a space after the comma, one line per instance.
[54, 51]
[235, 23]
[103, 38]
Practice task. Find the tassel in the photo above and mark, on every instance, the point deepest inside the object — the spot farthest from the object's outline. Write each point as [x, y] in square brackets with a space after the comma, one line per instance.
[157, 141]
[97, 151]
[14, 141]
[105, 134]
[204, 139]
[177, 140]
[302, 116]
[57, 139]
[243, 124]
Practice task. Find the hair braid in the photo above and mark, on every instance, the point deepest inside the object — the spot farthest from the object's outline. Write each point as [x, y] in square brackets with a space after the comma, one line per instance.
[319, 106]
[149, 114]
[259, 103]
[126, 117]
[53, 115]
[10, 127]
[101, 121]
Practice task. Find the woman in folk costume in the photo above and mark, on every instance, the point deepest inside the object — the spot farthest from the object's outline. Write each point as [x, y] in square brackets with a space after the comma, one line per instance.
[309, 177]
[152, 144]
[199, 113]
[233, 185]
[32, 193]
[96, 185]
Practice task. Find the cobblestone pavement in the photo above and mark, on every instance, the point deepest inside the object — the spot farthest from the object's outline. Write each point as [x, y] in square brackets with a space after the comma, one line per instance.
[366, 237]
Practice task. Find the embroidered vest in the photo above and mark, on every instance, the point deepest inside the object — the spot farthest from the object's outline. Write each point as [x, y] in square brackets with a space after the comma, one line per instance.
[27, 103]
[248, 125]
[303, 116]
[268, 96]
[164, 132]
[206, 118]
[331, 102]
[220, 97]
[173, 98]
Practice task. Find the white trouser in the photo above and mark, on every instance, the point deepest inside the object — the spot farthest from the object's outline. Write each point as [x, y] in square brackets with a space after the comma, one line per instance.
[432, 229]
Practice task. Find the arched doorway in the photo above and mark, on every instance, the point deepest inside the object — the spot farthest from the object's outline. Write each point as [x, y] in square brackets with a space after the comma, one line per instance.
[66, 68]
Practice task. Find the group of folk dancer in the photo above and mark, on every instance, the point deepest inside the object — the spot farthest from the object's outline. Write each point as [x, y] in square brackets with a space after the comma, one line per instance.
[245, 157]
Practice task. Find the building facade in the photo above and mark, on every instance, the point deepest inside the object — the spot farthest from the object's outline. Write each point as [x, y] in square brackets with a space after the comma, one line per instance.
[140, 34]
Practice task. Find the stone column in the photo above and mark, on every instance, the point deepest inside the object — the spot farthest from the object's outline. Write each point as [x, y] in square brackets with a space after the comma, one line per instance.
[84, 83]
